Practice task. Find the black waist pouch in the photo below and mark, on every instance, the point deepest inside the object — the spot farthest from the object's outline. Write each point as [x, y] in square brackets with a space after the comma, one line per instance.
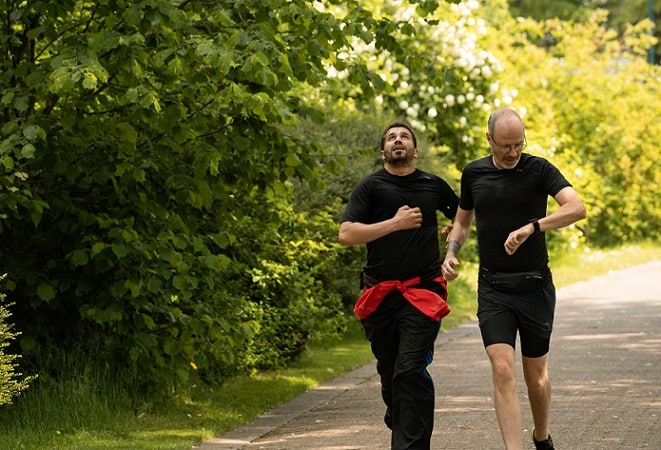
[514, 281]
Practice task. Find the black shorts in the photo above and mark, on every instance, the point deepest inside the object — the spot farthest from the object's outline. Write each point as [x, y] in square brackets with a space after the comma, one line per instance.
[503, 314]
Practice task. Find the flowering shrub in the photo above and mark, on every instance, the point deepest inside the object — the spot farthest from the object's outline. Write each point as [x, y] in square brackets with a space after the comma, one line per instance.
[10, 383]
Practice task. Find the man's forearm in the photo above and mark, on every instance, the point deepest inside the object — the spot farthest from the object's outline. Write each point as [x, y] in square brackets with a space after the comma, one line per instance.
[453, 247]
[355, 233]
[456, 239]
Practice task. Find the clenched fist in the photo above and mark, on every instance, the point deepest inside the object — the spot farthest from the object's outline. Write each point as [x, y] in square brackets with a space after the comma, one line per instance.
[408, 218]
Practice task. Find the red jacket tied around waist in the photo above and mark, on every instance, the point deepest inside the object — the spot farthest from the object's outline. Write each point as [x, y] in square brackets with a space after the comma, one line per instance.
[427, 302]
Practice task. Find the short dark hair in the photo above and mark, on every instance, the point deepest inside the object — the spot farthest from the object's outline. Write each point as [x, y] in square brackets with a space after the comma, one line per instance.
[397, 125]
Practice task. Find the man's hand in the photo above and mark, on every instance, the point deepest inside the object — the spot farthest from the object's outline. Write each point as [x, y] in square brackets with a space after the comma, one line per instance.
[447, 268]
[445, 231]
[517, 237]
[408, 218]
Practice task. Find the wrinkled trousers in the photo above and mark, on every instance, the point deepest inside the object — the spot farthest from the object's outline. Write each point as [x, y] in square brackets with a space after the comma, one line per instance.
[402, 340]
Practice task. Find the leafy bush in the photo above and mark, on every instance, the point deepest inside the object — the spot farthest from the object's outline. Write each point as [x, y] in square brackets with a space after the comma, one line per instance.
[590, 100]
[142, 152]
[11, 382]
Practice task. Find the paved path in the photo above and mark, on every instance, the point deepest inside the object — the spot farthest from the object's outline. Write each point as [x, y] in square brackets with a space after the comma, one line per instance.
[605, 368]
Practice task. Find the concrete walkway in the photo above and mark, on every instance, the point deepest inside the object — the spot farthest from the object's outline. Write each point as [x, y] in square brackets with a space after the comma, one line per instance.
[605, 368]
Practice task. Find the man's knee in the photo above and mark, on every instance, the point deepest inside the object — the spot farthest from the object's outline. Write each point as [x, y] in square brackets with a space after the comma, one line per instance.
[503, 366]
[535, 371]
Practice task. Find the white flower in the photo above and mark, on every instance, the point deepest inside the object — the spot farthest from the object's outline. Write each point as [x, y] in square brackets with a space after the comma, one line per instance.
[432, 113]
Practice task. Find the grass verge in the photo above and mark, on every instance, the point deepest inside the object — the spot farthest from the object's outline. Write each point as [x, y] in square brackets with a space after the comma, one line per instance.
[90, 411]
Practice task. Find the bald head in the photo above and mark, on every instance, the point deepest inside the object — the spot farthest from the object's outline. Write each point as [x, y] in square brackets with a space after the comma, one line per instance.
[506, 136]
[505, 117]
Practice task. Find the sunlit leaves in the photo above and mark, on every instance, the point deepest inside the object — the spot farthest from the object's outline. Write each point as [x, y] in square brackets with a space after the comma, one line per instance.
[589, 101]
[12, 382]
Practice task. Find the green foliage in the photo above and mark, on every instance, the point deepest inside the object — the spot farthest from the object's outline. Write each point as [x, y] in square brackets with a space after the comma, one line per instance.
[292, 301]
[441, 79]
[171, 176]
[621, 14]
[140, 145]
[593, 117]
[145, 152]
[11, 382]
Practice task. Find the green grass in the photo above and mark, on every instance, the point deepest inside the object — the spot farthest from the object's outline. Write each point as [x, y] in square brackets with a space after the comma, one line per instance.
[569, 268]
[91, 409]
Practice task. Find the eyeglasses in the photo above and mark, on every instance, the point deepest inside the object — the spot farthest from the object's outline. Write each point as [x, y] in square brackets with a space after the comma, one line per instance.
[508, 148]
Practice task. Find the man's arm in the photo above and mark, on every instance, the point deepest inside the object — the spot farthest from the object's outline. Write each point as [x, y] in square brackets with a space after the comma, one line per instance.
[356, 233]
[571, 210]
[460, 229]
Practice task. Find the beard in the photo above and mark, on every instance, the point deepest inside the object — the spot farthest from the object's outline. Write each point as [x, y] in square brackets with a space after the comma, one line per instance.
[507, 164]
[399, 157]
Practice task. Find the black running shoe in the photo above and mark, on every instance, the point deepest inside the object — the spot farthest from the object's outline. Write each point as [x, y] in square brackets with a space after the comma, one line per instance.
[542, 445]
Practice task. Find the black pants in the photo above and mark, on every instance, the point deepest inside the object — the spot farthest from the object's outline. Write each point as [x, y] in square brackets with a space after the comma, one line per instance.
[402, 340]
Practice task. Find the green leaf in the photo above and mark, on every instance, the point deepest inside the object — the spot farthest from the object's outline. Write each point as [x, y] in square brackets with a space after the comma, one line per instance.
[46, 292]
[135, 286]
[79, 257]
[7, 162]
[31, 132]
[97, 248]
[292, 160]
[179, 282]
[120, 250]
[27, 151]
[127, 132]
[216, 262]
[21, 103]
[148, 321]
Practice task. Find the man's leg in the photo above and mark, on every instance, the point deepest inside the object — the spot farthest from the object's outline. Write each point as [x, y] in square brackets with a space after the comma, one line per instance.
[508, 410]
[535, 337]
[535, 351]
[413, 387]
[381, 330]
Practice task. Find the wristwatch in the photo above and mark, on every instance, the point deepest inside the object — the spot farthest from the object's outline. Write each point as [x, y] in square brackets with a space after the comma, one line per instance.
[535, 225]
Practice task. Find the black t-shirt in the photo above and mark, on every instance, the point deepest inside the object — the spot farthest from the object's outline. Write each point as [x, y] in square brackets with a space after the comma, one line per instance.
[403, 254]
[506, 199]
